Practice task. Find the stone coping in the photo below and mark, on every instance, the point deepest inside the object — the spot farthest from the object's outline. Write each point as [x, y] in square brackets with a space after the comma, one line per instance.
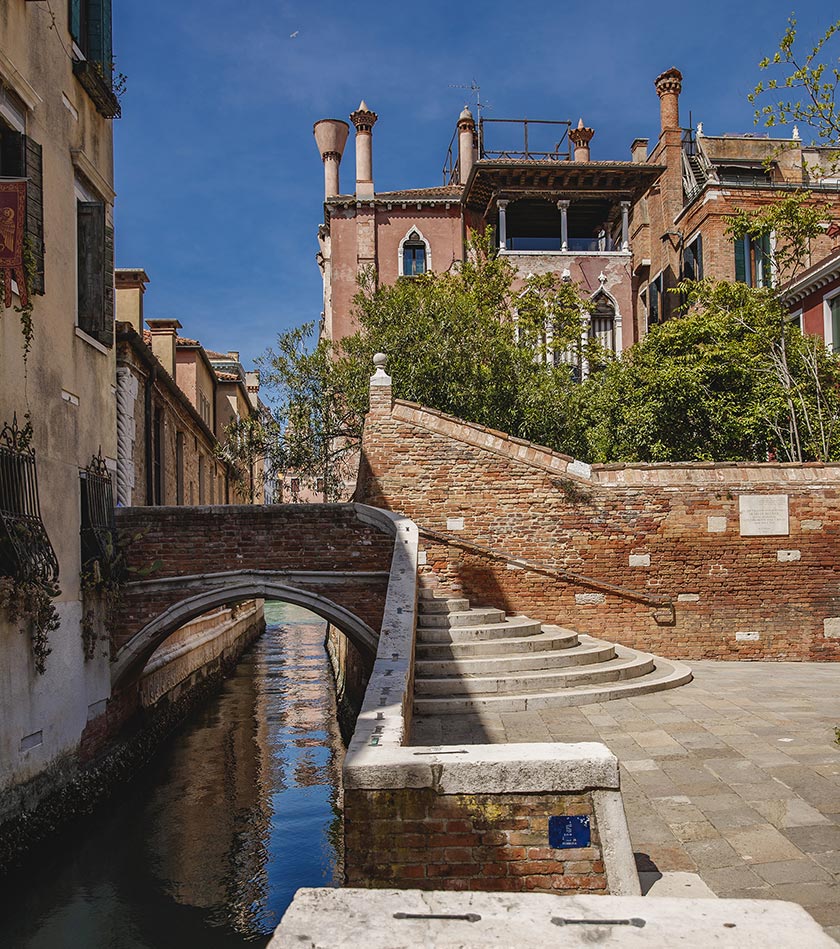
[385, 717]
[610, 474]
[393, 919]
[521, 768]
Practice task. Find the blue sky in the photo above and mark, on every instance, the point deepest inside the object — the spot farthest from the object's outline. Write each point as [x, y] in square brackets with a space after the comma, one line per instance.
[219, 183]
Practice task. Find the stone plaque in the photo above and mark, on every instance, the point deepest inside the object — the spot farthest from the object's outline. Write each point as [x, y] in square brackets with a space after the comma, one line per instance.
[569, 832]
[763, 515]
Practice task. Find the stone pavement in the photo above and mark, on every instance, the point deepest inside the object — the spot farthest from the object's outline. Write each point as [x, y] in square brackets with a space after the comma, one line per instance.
[735, 777]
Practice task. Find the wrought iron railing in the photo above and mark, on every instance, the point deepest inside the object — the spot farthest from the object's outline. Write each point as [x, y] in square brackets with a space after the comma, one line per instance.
[98, 528]
[26, 553]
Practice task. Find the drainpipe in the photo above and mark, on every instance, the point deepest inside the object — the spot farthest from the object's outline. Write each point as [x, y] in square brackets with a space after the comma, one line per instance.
[147, 394]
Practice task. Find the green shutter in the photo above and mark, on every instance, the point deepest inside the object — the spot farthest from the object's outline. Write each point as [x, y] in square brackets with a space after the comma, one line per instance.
[740, 261]
[99, 35]
[766, 260]
[698, 258]
[34, 170]
[91, 267]
[835, 324]
[76, 22]
[107, 337]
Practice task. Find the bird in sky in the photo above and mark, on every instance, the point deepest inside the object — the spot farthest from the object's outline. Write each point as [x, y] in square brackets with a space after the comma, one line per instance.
[293, 35]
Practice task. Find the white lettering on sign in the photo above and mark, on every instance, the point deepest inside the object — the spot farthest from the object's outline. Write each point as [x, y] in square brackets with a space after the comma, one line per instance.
[763, 515]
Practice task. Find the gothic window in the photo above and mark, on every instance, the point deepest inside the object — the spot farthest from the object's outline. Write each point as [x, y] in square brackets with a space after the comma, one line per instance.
[414, 258]
[602, 324]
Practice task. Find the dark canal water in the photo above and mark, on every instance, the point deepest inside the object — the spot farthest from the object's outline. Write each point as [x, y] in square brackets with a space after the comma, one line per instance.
[207, 847]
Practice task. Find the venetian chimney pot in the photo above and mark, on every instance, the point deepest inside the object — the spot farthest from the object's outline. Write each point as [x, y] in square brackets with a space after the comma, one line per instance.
[364, 120]
[164, 335]
[639, 149]
[466, 145]
[331, 137]
[580, 138]
[668, 88]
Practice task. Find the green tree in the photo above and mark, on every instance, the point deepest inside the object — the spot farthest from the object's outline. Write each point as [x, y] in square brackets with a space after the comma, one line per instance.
[806, 90]
[250, 451]
[731, 379]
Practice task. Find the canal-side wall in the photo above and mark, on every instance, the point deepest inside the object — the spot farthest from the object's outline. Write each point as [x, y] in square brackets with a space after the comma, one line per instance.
[120, 740]
[351, 673]
[197, 648]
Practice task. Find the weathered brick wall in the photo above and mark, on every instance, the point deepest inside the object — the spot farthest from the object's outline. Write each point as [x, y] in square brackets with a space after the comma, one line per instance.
[202, 540]
[420, 839]
[667, 530]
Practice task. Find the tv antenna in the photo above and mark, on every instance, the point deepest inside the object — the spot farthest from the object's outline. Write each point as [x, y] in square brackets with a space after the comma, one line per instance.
[475, 89]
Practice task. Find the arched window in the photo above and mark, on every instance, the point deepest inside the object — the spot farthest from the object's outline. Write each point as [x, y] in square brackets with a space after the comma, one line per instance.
[414, 255]
[602, 323]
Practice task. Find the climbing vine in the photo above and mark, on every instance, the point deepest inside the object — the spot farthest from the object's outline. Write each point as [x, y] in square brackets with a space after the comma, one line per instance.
[103, 582]
[30, 268]
[30, 603]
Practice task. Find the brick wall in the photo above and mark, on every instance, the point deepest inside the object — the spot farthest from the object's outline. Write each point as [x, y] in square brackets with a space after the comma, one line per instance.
[667, 531]
[202, 540]
[419, 839]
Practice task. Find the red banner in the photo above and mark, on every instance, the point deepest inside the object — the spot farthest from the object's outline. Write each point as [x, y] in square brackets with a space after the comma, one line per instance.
[12, 221]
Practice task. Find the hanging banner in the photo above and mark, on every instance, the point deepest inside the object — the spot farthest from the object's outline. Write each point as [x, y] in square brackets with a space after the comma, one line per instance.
[12, 221]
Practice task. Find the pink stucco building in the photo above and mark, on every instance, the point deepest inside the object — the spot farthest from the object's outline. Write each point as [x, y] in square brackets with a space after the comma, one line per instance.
[625, 231]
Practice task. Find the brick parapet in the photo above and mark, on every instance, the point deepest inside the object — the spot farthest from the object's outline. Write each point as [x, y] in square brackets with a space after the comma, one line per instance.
[669, 530]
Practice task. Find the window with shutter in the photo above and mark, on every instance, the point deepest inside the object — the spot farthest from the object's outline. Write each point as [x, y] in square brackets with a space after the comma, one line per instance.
[693, 260]
[21, 157]
[90, 27]
[753, 261]
[91, 270]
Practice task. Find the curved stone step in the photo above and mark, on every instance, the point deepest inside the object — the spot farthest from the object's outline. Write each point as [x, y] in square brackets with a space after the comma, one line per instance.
[439, 605]
[623, 667]
[544, 641]
[668, 674]
[474, 617]
[513, 626]
[595, 652]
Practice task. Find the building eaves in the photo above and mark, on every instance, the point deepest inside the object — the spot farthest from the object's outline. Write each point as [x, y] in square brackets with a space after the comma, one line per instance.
[126, 333]
[814, 278]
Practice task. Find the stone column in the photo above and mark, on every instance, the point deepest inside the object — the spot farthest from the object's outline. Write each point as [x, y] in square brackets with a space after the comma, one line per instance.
[502, 206]
[625, 225]
[564, 224]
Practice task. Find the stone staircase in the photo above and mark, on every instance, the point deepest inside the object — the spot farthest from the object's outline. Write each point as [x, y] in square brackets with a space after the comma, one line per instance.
[477, 658]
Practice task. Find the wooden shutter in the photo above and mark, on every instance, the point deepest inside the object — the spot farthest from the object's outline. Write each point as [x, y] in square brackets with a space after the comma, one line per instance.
[766, 260]
[76, 22]
[99, 35]
[740, 261]
[34, 171]
[107, 337]
[698, 258]
[91, 263]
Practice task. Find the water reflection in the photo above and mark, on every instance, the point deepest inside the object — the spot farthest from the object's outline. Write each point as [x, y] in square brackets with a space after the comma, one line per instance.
[212, 840]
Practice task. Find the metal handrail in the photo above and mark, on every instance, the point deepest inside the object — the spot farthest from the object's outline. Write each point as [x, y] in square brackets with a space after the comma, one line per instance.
[650, 599]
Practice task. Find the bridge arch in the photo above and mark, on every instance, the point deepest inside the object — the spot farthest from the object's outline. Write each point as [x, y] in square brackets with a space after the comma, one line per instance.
[232, 588]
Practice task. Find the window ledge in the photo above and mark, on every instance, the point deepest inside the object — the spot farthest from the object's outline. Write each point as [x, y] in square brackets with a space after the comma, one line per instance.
[105, 350]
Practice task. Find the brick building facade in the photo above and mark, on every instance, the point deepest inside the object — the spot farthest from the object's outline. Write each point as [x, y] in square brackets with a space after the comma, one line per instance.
[625, 231]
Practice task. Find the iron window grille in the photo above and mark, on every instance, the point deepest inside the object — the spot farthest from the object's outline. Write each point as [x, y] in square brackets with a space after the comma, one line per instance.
[98, 525]
[26, 553]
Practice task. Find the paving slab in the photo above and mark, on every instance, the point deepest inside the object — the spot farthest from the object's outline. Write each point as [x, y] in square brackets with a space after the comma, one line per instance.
[734, 777]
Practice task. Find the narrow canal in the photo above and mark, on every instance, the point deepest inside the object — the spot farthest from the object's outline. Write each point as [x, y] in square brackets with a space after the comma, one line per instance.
[209, 844]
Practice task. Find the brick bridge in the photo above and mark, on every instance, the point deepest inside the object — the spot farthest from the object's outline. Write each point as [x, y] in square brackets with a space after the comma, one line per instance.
[333, 559]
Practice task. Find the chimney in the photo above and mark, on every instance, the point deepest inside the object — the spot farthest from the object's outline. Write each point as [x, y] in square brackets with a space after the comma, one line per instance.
[130, 283]
[466, 145]
[164, 342]
[668, 88]
[638, 150]
[580, 138]
[364, 120]
[331, 137]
